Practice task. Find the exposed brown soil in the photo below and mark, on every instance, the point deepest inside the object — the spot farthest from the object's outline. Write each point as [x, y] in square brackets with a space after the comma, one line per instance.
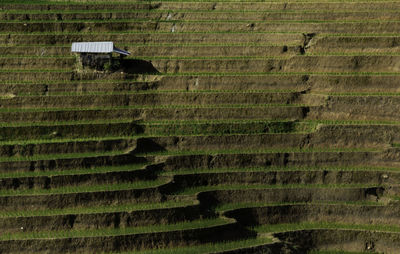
[351, 240]
[104, 220]
[304, 102]
[149, 36]
[273, 112]
[125, 242]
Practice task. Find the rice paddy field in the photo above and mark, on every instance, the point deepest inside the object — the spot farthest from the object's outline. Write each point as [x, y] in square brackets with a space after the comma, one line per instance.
[234, 127]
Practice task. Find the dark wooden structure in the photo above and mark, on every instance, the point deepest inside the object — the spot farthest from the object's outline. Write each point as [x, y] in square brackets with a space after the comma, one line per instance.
[97, 55]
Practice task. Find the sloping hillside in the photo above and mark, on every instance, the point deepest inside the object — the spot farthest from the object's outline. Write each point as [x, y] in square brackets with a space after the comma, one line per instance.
[233, 127]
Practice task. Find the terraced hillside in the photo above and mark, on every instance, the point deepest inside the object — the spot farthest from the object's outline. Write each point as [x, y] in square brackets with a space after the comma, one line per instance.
[233, 127]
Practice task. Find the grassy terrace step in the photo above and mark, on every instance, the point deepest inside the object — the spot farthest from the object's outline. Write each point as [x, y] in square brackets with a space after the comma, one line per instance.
[361, 94]
[211, 248]
[362, 44]
[167, 50]
[59, 156]
[277, 169]
[203, 5]
[198, 15]
[126, 37]
[83, 171]
[331, 236]
[305, 63]
[79, 196]
[55, 63]
[260, 151]
[149, 91]
[340, 239]
[389, 172]
[97, 209]
[173, 235]
[160, 113]
[67, 161]
[85, 146]
[275, 157]
[244, 65]
[45, 5]
[199, 189]
[99, 217]
[225, 138]
[30, 75]
[200, 141]
[52, 235]
[85, 189]
[196, 26]
[272, 82]
[226, 207]
[54, 132]
[149, 99]
[314, 213]
[228, 194]
[173, 106]
[251, 79]
[289, 193]
[53, 80]
[324, 225]
[362, 106]
[283, 178]
[335, 252]
[107, 86]
[70, 179]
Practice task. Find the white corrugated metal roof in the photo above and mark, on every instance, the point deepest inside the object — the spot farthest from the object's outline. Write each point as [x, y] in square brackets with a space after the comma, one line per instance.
[93, 47]
[96, 47]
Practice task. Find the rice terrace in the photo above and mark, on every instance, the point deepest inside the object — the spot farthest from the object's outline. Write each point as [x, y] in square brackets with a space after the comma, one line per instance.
[183, 126]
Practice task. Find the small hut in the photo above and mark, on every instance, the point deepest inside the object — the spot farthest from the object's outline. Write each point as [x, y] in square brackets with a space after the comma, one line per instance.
[97, 54]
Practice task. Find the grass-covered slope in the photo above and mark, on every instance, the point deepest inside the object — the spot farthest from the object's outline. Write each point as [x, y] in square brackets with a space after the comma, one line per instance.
[233, 127]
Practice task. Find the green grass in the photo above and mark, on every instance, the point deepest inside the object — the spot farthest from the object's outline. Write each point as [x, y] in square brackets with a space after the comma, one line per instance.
[166, 44]
[96, 209]
[356, 53]
[89, 188]
[36, 70]
[145, 32]
[351, 122]
[188, 106]
[337, 252]
[325, 225]
[36, 57]
[208, 248]
[205, 58]
[195, 190]
[143, 57]
[121, 2]
[212, 22]
[358, 94]
[92, 170]
[273, 169]
[197, 224]
[150, 123]
[242, 11]
[65, 140]
[59, 156]
[69, 82]
[60, 123]
[156, 92]
[233, 206]
[219, 57]
[312, 122]
[283, 74]
[259, 151]
[151, 134]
